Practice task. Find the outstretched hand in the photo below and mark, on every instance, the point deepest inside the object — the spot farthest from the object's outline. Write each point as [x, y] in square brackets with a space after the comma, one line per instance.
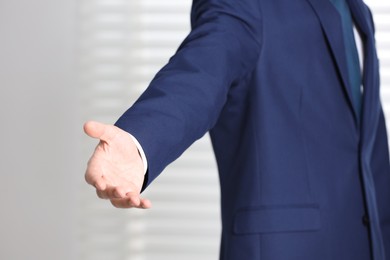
[115, 169]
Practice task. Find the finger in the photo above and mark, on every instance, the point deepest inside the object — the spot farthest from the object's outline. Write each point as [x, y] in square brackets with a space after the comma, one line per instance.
[101, 194]
[100, 131]
[94, 129]
[123, 203]
[145, 203]
[134, 199]
[110, 192]
[123, 188]
[130, 201]
[119, 192]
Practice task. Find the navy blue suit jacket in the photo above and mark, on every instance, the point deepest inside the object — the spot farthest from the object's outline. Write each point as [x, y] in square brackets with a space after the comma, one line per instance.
[302, 174]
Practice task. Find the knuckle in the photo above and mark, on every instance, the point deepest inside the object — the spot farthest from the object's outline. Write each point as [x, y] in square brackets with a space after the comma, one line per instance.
[111, 192]
[100, 194]
[114, 203]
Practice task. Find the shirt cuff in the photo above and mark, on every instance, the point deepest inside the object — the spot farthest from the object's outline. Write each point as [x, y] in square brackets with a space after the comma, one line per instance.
[141, 153]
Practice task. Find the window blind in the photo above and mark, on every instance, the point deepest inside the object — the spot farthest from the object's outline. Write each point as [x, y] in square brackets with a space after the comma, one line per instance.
[381, 12]
[122, 45]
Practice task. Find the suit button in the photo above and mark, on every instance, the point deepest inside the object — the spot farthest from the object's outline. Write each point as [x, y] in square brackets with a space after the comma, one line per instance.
[366, 220]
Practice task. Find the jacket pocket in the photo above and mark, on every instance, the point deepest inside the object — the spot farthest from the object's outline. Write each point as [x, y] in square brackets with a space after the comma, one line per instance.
[280, 218]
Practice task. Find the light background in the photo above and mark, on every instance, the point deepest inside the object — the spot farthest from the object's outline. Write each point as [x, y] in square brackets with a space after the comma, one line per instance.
[63, 62]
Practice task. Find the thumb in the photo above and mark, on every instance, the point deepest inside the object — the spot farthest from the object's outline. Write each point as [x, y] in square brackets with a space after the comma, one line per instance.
[99, 130]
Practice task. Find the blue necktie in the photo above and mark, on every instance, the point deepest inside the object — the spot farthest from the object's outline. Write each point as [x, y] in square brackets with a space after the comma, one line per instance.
[354, 73]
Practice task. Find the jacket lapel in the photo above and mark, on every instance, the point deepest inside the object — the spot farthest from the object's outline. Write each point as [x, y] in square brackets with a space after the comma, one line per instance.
[331, 23]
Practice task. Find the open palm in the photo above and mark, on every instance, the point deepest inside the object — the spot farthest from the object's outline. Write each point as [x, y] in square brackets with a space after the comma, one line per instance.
[115, 169]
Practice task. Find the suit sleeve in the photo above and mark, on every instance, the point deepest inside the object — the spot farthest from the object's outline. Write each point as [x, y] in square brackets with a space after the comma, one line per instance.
[184, 99]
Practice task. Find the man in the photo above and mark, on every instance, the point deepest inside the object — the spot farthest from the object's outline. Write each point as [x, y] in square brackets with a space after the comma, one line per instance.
[297, 129]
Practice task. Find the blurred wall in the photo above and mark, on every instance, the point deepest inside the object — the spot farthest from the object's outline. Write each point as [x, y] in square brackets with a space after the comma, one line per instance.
[39, 129]
[47, 211]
